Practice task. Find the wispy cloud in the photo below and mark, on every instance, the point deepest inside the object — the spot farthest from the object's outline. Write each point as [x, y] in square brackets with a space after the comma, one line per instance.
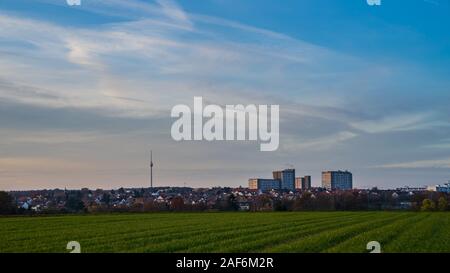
[157, 49]
[316, 144]
[433, 2]
[174, 11]
[48, 137]
[442, 144]
[432, 163]
[40, 164]
[402, 122]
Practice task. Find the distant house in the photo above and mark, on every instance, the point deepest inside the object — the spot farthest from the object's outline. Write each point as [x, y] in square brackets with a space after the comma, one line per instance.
[440, 188]
[406, 205]
[36, 208]
[244, 206]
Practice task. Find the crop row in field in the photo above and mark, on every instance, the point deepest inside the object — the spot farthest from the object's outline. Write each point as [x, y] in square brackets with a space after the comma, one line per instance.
[229, 232]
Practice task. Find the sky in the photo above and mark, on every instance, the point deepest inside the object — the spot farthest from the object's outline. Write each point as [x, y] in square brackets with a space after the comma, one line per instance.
[86, 91]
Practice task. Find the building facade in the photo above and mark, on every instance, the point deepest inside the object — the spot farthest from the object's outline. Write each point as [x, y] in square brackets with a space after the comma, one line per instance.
[282, 180]
[440, 188]
[306, 185]
[264, 185]
[337, 180]
[277, 175]
[303, 183]
[298, 183]
[288, 179]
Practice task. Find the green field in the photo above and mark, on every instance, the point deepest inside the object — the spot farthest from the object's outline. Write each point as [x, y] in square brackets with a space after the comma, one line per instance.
[229, 232]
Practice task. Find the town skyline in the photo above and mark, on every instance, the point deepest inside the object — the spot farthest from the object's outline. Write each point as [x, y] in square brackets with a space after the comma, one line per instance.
[298, 183]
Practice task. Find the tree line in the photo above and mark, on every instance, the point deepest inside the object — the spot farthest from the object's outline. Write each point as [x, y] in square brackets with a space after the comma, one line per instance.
[306, 201]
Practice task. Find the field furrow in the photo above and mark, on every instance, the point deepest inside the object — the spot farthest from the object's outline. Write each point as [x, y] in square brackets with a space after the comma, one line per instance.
[310, 232]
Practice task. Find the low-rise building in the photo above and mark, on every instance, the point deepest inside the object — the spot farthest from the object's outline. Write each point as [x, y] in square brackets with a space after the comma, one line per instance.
[440, 188]
[337, 180]
[264, 185]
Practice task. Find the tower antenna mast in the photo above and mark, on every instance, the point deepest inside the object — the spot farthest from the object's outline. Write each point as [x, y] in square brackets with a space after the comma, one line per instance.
[151, 169]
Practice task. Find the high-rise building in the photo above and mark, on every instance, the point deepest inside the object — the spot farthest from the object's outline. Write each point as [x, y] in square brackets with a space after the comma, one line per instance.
[337, 180]
[306, 182]
[288, 179]
[303, 183]
[264, 184]
[277, 175]
[282, 180]
[298, 183]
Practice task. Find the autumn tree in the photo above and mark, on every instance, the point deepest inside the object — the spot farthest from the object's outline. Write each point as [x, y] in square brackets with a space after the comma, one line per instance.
[428, 205]
[442, 204]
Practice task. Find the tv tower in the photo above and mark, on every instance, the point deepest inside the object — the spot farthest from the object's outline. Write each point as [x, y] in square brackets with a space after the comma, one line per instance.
[151, 169]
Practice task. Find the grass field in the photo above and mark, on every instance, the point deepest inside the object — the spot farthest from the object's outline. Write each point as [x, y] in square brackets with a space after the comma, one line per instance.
[229, 232]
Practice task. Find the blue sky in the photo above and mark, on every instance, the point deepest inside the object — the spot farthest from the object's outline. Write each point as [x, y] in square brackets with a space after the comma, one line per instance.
[86, 91]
